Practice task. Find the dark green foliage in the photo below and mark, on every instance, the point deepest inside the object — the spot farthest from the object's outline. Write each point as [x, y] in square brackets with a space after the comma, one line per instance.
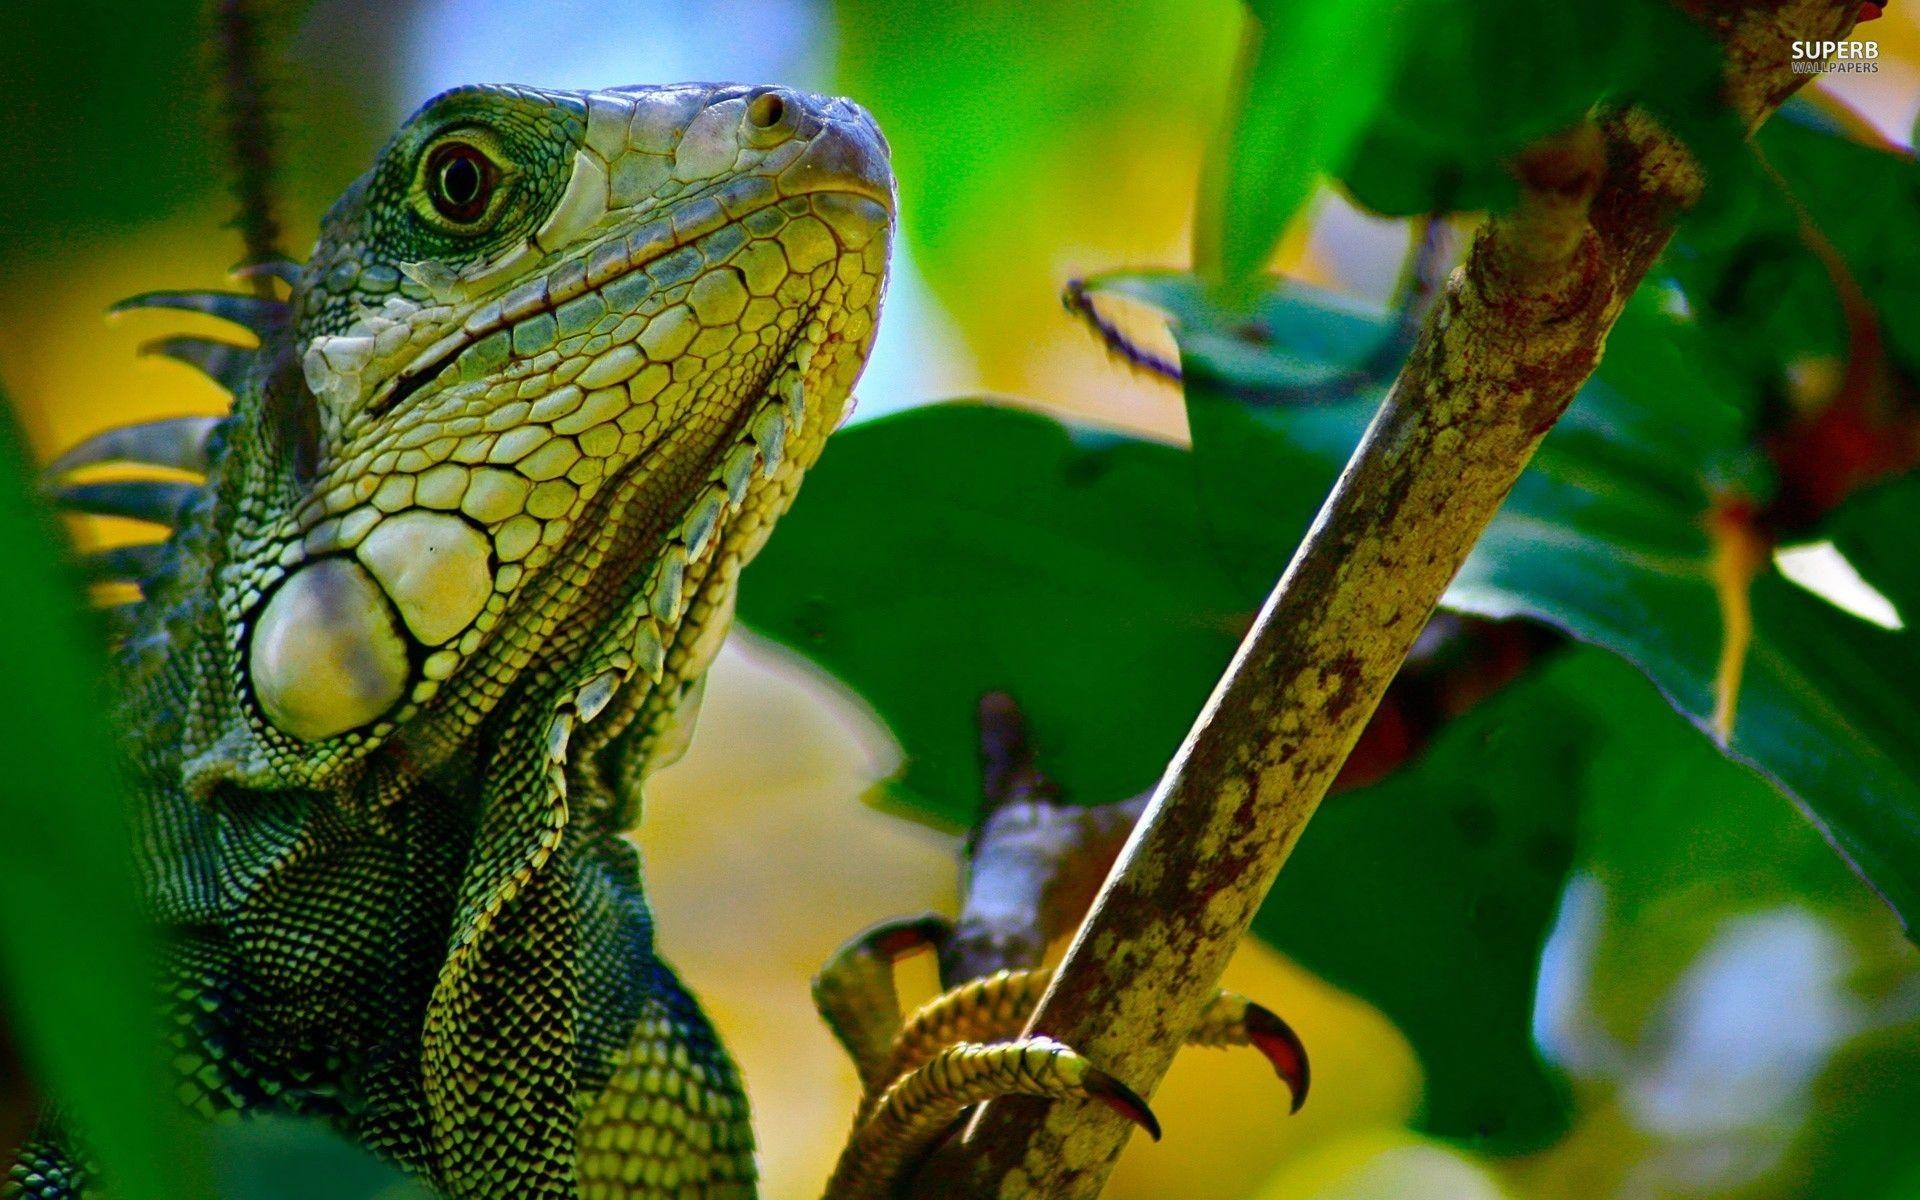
[286, 1159]
[1759, 287]
[74, 951]
[107, 119]
[946, 552]
[1432, 893]
[1477, 83]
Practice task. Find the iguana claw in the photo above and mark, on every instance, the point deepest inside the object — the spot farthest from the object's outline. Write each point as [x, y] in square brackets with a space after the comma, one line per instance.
[908, 1119]
[1275, 1039]
[855, 996]
[968, 1045]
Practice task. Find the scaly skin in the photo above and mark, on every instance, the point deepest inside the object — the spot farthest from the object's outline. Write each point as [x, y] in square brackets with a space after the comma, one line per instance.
[468, 543]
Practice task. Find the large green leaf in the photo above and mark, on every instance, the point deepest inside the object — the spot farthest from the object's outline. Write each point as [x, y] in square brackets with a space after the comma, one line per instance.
[1606, 537]
[75, 958]
[945, 552]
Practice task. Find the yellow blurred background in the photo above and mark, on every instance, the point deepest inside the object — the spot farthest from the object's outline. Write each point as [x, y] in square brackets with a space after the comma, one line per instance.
[760, 855]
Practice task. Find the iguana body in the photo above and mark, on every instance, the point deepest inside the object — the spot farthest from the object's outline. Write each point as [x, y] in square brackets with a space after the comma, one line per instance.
[468, 543]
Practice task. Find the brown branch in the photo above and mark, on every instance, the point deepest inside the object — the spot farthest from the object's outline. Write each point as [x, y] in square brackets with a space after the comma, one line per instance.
[240, 50]
[1520, 328]
[1033, 864]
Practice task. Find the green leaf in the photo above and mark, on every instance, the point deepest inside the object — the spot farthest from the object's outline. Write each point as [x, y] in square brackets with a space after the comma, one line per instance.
[1680, 840]
[1432, 895]
[1761, 290]
[282, 1158]
[999, 110]
[103, 94]
[1606, 538]
[1265, 461]
[1859, 1143]
[946, 552]
[1311, 79]
[1482, 81]
[75, 955]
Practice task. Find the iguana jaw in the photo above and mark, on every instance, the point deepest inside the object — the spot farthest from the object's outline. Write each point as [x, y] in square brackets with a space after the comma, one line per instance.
[527, 444]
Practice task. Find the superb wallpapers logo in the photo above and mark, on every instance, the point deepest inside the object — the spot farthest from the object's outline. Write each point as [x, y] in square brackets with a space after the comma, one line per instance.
[1854, 57]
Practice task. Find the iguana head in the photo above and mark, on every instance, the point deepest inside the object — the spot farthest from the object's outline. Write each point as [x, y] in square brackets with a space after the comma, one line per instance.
[555, 365]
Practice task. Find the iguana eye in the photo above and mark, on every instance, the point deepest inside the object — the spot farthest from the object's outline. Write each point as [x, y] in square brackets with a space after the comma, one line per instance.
[460, 181]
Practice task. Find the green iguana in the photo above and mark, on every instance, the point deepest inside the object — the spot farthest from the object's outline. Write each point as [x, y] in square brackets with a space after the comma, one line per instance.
[466, 546]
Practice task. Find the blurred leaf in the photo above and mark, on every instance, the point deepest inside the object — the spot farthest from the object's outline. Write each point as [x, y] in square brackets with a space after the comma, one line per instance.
[1432, 894]
[74, 948]
[1008, 117]
[281, 1158]
[1481, 81]
[1762, 291]
[1859, 1143]
[1311, 77]
[946, 552]
[1605, 537]
[104, 119]
[1682, 840]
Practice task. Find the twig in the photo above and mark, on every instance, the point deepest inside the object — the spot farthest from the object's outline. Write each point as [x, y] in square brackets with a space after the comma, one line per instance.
[1034, 864]
[1520, 328]
[1079, 301]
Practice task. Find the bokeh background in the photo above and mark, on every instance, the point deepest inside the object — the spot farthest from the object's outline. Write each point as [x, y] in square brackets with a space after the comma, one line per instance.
[1035, 142]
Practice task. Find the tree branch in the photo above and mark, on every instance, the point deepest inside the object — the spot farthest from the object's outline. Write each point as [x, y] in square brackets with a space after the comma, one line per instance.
[1520, 328]
[1033, 863]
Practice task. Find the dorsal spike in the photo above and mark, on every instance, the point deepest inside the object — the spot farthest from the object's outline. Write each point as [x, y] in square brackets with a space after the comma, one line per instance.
[136, 562]
[120, 621]
[177, 442]
[286, 270]
[260, 316]
[223, 362]
[157, 500]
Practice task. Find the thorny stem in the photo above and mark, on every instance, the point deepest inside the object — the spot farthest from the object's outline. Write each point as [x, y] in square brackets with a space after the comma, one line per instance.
[1520, 327]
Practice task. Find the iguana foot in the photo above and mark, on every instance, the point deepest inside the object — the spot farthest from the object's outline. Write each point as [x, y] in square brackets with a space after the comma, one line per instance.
[968, 1045]
[997, 1008]
[896, 1130]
